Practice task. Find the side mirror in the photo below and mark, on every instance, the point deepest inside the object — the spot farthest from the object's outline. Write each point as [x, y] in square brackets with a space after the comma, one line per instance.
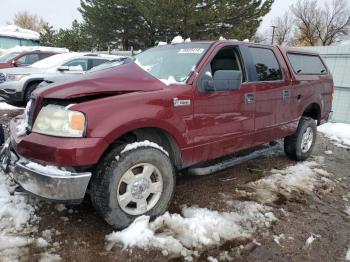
[63, 68]
[226, 80]
[15, 63]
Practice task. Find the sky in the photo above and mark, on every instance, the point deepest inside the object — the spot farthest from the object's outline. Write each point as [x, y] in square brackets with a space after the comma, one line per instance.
[61, 13]
[279, 7]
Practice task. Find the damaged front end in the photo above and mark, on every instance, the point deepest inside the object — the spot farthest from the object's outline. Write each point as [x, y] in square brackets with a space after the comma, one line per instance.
[48, 182]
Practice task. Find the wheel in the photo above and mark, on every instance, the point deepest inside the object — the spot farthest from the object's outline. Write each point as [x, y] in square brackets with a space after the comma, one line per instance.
[29, 91]
[140, 182]
[300, 145]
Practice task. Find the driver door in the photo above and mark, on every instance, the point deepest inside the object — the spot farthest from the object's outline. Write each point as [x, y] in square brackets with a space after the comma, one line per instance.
[223, 120]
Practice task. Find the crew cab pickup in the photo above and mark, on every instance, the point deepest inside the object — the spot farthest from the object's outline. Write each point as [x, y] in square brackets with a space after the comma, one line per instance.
[121, 133]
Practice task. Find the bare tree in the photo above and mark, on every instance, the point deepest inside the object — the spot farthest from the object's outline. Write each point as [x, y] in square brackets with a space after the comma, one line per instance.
[284, 29]
[333, 22]
[29, 21]
[318, 25]
[306, 12]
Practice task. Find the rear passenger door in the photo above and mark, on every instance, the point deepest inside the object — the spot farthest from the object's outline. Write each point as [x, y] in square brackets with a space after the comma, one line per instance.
[272, 93]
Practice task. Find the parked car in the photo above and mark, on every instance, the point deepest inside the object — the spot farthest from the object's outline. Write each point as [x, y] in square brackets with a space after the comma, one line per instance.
[17, 84]
[123, 132]
[59, 78]
[16, 59]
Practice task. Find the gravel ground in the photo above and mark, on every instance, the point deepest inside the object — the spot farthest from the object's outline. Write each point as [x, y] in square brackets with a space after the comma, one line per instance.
[80, 232]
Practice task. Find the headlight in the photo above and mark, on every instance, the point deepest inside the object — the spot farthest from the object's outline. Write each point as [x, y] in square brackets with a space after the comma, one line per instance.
[57, 120]
[15, 77]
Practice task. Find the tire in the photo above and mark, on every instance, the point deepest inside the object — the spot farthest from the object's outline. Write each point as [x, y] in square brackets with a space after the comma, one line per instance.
[295, 147]
[108, 181]
[29, 91]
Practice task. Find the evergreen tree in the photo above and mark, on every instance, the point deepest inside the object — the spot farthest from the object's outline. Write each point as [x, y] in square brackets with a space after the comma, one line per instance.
[48, 36]
[142, 23]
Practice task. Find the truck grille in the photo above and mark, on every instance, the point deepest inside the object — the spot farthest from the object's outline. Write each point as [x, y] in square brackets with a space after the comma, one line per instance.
[2, 78]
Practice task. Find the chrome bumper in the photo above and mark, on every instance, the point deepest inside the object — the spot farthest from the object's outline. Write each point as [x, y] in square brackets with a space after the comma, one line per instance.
[53, 185]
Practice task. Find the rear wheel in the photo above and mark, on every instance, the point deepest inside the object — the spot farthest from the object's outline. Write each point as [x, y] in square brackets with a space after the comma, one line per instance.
[300, 145]
[140, 182]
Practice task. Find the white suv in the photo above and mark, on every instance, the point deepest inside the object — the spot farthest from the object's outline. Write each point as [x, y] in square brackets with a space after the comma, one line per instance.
[17, 84]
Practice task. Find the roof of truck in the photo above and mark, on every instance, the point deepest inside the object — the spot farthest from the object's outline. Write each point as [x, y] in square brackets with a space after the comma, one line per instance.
[287, 49]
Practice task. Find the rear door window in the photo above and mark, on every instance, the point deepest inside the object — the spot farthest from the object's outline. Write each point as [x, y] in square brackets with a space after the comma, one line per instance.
[304, 64]
[29, 59]
[83, 62]
[45, 55]
[96, 62]
[266, 65]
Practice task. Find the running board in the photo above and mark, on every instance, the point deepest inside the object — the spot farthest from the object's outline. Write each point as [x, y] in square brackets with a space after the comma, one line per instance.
[203, 171]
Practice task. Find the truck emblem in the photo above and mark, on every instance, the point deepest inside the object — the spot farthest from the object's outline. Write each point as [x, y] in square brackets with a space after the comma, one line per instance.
[181, 102]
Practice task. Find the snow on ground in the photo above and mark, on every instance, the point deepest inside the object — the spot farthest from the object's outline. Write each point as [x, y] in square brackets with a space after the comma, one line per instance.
[347, 256]
[195, 229]
[337, 132]
[17, 215]
[291, 183]
[5, 106]
[18, 224]
[187, 234]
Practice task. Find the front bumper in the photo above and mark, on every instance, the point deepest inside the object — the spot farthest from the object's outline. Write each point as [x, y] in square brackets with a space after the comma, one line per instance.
[48, 182]
[12, 91]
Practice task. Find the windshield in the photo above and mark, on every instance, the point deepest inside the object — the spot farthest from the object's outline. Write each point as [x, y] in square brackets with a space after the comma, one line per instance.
[54, 60]
[172, 63]
[8, 57]
[108, 64]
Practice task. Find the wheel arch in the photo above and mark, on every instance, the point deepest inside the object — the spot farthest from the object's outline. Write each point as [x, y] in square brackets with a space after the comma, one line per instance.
[29, 83]
[156, 135]
[313, 110]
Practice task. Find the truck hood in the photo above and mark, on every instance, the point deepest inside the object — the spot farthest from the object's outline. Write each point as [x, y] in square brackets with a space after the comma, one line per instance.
[22, 70]
[120, 79]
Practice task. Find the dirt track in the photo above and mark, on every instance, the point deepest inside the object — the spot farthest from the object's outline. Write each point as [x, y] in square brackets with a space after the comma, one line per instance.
[81, 232]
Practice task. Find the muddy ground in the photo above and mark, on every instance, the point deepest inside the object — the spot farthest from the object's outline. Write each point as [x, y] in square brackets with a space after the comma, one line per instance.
[81, 232]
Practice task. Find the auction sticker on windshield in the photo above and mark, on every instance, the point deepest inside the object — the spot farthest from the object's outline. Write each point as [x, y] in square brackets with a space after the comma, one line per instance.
[191, 51]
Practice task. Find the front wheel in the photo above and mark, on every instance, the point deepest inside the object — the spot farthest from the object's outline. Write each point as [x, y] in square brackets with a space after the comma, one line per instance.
[300, 145]
[137, 182]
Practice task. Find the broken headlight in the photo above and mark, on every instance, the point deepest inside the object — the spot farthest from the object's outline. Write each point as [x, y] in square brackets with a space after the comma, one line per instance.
[59, 121]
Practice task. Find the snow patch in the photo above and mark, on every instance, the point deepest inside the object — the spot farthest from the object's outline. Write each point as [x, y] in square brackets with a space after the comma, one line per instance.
[290, 183]
[60, 207]
[177, 40]
[278, 239]
[212, 259]
[170, 80]
[347, 256]
[18, 32]
[48, 257]
[5, 106]
[17, 214]
[310, 240]
[21, 49]
[196, 228]
[145, 143]
[337, 132]
[48, 170]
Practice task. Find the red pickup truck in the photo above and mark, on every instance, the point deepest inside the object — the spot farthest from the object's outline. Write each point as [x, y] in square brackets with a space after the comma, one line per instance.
[121, 133]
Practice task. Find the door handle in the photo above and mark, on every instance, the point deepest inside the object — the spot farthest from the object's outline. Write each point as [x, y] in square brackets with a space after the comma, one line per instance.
[285, 94]
[249, 98]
